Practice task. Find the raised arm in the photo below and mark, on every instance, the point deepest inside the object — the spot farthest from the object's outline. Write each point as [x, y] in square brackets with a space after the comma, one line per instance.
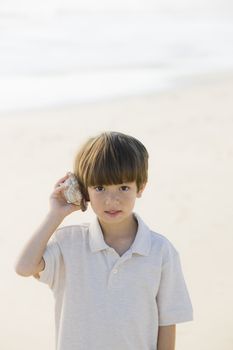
[30, 261]
[166, 337]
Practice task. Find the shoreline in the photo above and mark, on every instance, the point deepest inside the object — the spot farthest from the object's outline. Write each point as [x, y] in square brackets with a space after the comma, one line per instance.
[179, 85]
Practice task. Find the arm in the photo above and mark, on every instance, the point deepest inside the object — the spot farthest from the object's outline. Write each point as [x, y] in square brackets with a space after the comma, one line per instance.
[166, 337]
[31, 262]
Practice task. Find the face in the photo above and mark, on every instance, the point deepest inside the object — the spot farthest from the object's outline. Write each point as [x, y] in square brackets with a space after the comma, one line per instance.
[114, 203]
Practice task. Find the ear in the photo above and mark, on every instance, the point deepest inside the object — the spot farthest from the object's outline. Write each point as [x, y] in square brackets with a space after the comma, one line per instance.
[139, 194]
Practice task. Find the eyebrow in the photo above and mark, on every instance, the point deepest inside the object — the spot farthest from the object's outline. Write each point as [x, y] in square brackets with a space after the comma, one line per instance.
[122, 184]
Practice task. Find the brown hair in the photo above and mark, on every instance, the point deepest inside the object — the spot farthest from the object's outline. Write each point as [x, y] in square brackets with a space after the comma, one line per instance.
[111, 158]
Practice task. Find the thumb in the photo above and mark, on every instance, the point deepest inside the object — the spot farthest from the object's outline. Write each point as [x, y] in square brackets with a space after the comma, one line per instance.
[60, 188]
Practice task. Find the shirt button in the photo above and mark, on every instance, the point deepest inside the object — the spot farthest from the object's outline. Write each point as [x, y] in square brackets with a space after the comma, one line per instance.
[115, 271]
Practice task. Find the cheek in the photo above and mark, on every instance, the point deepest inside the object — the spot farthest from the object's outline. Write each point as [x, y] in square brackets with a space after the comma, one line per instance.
[132, 194]
[129, 198]
[95, 198]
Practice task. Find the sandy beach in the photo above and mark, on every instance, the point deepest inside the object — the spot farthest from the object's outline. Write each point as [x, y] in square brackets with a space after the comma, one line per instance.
[188, 133]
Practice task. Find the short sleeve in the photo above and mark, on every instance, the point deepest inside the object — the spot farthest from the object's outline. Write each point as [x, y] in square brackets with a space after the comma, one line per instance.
[173, 301]
[54, 266]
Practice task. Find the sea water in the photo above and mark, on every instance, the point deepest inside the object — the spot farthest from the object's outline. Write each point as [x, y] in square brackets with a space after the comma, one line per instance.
[57, 58]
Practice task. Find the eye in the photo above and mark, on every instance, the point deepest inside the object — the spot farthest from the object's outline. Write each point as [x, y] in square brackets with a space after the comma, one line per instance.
[125, 188]
[99, 188]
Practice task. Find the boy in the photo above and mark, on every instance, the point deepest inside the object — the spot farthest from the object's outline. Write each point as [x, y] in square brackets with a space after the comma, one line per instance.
[117, 285]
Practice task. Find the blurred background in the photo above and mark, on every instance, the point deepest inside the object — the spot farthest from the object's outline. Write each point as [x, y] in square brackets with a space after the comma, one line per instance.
[160, 71]
[55, 53]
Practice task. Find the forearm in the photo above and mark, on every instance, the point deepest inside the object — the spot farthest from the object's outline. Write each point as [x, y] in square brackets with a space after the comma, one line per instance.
[33, 251]
[166, 337]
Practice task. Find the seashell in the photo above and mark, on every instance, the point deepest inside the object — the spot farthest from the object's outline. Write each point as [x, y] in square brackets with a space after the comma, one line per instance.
[72, 192]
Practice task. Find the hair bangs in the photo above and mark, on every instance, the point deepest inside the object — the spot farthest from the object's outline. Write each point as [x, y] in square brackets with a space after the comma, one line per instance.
[112, 168]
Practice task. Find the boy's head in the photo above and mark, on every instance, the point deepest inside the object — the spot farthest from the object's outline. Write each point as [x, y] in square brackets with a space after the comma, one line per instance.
[111, 158]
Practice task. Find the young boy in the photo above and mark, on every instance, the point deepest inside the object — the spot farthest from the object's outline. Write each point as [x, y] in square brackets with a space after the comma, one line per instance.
[117, 284]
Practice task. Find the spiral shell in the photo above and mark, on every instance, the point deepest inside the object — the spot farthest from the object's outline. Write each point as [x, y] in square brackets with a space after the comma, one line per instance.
[72, 192]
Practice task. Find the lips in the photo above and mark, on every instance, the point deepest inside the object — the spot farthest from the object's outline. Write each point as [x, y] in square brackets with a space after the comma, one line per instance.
[113, 212]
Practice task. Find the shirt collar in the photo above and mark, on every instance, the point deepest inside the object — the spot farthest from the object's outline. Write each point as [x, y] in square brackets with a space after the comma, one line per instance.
[140, 245]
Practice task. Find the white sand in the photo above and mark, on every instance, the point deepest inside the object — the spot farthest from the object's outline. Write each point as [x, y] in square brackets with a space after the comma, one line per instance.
[188, 133]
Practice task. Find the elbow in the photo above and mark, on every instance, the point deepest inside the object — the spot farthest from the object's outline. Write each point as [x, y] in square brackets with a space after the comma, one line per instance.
[22, 271]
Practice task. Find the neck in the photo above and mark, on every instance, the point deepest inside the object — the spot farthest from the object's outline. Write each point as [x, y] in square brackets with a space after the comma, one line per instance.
[124, 230]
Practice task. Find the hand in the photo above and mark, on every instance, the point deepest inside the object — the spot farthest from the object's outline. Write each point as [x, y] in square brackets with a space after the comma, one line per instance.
[57, 199]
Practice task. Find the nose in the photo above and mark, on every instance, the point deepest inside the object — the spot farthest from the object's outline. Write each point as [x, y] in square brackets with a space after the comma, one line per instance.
[112, 198]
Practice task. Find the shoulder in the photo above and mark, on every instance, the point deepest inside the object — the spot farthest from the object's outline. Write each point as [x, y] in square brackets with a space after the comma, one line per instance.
[163, 246]
[71, 233]
[162, 241]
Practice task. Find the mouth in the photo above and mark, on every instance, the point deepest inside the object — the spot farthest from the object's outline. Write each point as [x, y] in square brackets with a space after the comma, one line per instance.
[113, 212]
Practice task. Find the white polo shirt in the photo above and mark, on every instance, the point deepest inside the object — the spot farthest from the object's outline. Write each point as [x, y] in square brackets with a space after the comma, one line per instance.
[104, 301]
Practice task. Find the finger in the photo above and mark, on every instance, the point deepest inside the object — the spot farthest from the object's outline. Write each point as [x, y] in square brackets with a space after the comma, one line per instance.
[60, 188]
[61, 180]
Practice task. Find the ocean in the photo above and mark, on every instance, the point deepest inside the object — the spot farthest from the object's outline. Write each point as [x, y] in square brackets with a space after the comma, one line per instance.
[57, 58]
